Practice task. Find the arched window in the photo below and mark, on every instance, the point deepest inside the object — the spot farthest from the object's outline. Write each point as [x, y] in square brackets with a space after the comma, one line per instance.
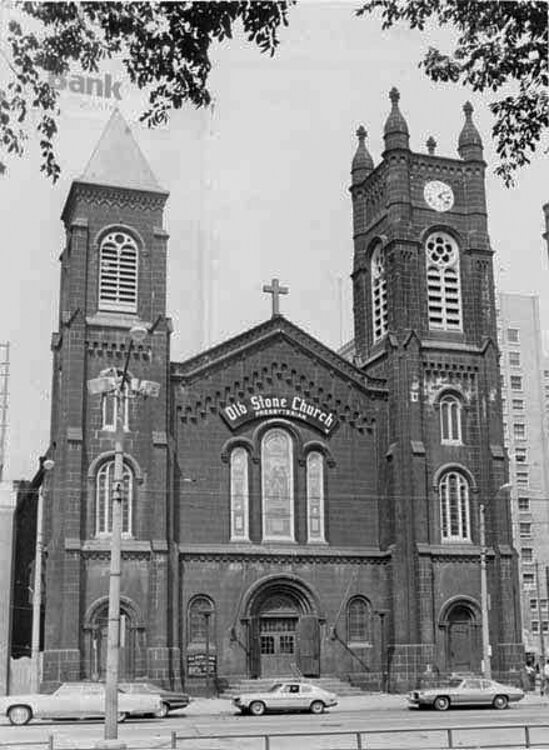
[201, 624]
[454, 507]
[239, 494]
[443, 282]
[315, 497]
[379, 294]
[358, 620]
[118, 273]
[450, 420]
[109, 408]
[104, 499]
[277, 485]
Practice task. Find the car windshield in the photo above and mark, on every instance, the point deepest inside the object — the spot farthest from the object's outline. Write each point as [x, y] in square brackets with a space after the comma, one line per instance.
[455, 682]
[275, 687]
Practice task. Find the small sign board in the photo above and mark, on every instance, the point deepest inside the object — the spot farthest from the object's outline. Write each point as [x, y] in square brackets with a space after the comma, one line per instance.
[197, 665]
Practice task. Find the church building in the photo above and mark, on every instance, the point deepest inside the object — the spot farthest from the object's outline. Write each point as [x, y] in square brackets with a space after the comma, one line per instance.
[286, 510]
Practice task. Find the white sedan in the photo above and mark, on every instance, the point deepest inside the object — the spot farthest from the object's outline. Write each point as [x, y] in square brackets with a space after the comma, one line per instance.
[286, 696]
[76, 700]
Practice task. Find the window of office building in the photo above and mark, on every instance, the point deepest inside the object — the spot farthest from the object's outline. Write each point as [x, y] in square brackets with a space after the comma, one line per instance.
[513, 335]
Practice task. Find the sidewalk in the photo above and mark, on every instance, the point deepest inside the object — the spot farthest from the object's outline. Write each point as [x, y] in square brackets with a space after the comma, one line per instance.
[366, 702]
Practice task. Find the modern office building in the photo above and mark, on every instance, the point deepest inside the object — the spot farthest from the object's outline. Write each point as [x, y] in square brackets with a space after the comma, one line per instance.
[525, 400]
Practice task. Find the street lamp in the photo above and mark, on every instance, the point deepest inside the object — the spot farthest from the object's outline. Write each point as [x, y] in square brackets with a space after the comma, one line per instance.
[110, 383]
[486, 648]
[47, 465]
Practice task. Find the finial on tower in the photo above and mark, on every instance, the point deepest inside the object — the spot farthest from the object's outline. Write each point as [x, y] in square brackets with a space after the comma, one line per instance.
[431, 145]
[395, 132]
[470, 142]
[362, 161]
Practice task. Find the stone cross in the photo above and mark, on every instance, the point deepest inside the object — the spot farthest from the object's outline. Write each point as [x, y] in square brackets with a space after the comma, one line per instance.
[276, 290]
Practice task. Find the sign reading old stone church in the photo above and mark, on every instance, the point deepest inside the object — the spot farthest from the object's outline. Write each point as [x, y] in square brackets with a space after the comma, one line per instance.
[296, 407]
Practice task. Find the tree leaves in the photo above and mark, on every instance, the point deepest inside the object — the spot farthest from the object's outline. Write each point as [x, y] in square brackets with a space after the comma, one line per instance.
[500, 45]
[164, 46]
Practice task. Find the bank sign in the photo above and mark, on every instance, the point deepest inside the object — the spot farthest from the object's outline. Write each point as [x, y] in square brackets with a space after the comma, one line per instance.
[295, 407]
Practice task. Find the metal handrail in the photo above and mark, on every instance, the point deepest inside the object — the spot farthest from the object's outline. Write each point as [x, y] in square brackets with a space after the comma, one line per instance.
[358, 736]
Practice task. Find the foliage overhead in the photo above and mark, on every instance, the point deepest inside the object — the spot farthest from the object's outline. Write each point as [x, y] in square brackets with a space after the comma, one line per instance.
[502, 48]
[164, 47]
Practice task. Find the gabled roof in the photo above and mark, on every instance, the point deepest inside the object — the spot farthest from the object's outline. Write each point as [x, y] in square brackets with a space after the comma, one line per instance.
[117, 160]
[276, 327]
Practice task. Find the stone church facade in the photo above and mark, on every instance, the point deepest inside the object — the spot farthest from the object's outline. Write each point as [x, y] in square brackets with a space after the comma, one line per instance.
[286, 510]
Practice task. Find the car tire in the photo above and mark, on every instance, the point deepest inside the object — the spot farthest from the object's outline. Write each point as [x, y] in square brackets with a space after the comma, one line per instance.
[500, 701]
[441, 703]
[163, 711]
[317, 707]
[19, 715]
[257, 708]
[121, 717]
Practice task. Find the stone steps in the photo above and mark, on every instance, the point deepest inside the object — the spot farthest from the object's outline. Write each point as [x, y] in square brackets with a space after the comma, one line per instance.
[331, 684]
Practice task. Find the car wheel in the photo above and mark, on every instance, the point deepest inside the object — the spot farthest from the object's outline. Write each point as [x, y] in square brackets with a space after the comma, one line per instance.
[163, 711]
[441, 703]
[317, 707]
[19, 715]
[257, 708]
[500, 701]
[121, 717]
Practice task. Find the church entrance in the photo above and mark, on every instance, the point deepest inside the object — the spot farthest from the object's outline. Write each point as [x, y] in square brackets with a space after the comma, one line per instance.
[463, 651]
[283, 634]
[99, 641]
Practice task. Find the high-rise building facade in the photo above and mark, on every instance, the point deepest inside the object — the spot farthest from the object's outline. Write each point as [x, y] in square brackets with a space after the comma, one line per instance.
[525, 399]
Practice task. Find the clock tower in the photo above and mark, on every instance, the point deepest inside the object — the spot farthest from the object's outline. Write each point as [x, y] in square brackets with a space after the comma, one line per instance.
[424, 320]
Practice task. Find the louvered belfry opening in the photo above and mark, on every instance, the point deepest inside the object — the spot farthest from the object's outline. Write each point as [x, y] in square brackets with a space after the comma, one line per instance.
[443, 283]
[118, 273]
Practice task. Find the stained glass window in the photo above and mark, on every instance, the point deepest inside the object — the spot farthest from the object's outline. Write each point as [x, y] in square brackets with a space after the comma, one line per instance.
[239, 494]
[379, 294]
[358, 620]
[315, 497]
[277, 482]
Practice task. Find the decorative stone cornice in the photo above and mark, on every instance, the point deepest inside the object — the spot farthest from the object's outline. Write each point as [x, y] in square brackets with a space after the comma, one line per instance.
[284, 554]
[113, 197]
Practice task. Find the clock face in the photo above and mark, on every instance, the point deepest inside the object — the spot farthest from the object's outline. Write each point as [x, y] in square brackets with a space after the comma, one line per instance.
[438, 195]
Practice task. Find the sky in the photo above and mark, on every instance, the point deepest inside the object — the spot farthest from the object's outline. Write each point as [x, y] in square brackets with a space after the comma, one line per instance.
[258, 189]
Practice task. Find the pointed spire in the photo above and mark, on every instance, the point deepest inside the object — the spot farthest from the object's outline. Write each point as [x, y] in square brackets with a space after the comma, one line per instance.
[395, 132]
[470, 142]
[431, 145]
[117, 160]
[362, 161]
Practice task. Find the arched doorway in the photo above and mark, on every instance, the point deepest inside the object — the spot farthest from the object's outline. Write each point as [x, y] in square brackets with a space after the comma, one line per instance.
[98, 642]
[283, 631]
[463, 636]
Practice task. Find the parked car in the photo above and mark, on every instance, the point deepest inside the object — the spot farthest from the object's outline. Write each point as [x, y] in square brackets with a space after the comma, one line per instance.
[466, 691]
[76, 700]
[286, 696]
[169, 699]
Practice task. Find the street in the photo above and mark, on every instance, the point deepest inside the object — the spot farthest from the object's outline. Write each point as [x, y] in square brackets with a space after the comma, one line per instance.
[427, 729]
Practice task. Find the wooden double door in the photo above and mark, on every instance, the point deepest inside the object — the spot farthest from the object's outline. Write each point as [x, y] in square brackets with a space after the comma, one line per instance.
[463, 641]
[283, 641]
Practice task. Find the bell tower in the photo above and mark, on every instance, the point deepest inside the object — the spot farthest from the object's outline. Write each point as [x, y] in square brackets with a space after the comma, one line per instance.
[113, 278]
[424, 319]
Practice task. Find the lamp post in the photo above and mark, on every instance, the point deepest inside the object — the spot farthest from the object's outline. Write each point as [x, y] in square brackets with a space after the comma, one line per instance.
[47, 465]
[484, 606]
[111, 383]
